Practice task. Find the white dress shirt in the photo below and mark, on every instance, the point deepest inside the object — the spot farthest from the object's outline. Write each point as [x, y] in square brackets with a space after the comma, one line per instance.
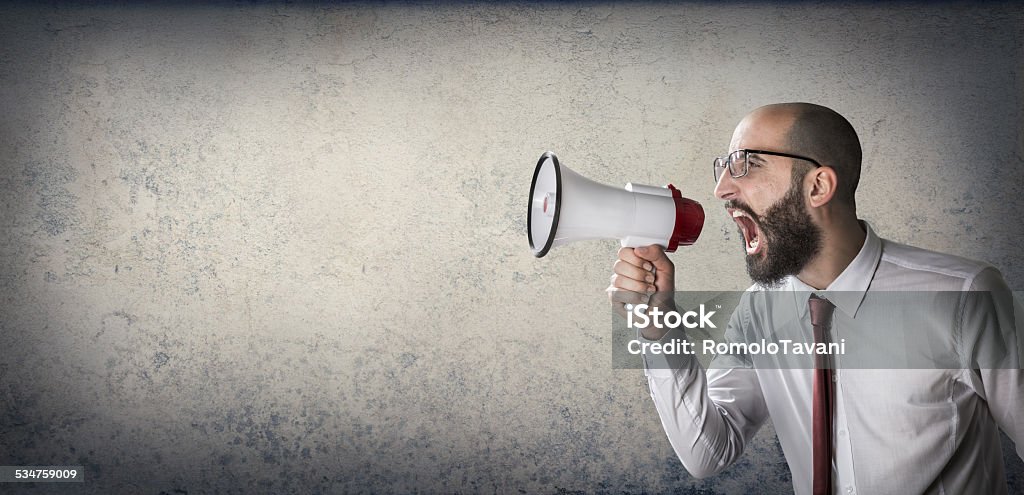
[899, 431]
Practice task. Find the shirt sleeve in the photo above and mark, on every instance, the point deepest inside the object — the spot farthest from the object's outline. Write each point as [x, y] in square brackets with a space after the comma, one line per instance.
[991, 330]
[708, 416]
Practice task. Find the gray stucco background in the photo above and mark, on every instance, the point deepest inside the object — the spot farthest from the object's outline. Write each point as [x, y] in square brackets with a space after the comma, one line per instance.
[283, 248]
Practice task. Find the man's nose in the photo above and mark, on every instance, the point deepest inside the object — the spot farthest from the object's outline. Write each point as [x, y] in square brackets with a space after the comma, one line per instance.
[726, 187]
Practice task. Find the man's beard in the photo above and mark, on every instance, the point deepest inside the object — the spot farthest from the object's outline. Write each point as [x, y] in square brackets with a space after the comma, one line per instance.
[791, 236]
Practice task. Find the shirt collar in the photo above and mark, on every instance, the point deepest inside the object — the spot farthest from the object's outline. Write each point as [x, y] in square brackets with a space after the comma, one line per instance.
[847, 290]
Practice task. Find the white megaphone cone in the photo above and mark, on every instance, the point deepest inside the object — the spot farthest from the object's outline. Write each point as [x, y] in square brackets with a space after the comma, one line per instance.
[567, 207]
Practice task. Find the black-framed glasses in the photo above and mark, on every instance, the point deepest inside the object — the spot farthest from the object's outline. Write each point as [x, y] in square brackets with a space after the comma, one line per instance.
[736, 162]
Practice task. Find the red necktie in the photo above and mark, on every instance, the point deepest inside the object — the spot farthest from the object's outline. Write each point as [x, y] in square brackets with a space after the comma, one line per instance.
[824, 398]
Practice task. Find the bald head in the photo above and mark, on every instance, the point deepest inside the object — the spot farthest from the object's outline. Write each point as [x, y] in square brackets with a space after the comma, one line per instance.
[819, 132]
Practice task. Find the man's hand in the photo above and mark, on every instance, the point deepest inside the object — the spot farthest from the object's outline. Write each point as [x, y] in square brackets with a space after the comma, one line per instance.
[643, 275]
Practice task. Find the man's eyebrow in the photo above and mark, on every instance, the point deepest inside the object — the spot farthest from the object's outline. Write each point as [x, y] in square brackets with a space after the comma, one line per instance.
[756, 157]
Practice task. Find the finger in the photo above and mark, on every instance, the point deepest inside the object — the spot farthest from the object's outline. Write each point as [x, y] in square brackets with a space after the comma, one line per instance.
[619, 297]
[628, 255]
[655, 255]
[627, 270]
[664, 269]
[628, 284]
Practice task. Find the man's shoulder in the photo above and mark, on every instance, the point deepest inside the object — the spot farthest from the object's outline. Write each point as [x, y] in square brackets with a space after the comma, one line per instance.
[909, 267]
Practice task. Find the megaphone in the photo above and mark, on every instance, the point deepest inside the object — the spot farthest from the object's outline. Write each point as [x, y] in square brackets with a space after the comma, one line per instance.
[567, 207]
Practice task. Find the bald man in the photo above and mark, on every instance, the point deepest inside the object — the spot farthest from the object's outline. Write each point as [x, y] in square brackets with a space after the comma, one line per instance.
[789, 183]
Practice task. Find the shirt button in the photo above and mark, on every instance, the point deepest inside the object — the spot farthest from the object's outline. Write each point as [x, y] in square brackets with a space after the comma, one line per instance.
[842, 433]
[849, 489]
[835, 377]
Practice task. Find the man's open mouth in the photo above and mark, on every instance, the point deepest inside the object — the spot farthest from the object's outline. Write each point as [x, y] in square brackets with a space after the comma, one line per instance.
[751, 232]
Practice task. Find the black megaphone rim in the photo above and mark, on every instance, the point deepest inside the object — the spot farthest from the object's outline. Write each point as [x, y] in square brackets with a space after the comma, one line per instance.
[558, 204]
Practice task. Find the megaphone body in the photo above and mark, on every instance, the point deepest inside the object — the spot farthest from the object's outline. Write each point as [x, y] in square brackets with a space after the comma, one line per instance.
[567, 207]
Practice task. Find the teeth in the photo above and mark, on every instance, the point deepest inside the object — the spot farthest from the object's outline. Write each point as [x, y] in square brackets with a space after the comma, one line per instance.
[754, 243]
[737, 214]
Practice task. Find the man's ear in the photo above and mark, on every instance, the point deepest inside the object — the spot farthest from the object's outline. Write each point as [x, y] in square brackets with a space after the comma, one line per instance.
[823, 182]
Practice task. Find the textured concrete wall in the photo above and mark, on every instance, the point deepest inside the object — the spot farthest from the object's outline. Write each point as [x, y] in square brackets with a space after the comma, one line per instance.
[283, 248]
